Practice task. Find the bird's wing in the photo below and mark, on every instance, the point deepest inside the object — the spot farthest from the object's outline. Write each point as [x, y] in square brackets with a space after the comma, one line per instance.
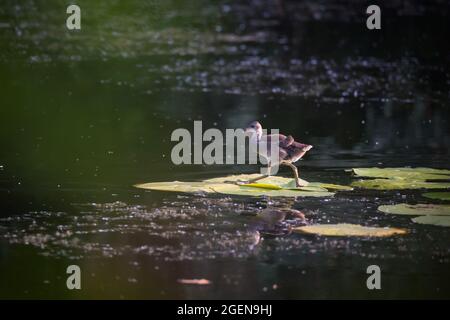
[273, 137]
[302, 146]
[283, 154]
[286, 142]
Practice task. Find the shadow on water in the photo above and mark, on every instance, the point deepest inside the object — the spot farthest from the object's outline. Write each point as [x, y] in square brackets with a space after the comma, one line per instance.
[86, 115]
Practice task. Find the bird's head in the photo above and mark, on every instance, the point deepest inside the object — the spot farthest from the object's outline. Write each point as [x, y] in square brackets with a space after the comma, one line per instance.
[254, 127]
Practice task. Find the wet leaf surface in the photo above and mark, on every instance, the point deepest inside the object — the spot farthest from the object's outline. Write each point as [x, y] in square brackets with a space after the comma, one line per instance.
[281, 182]
[443, 221]
[232, 189]
[273, 186]
[417, 209]
[403, 173]
[402, 178]
[351, 230]
[437, 195]
[263, 186]
[398, 184]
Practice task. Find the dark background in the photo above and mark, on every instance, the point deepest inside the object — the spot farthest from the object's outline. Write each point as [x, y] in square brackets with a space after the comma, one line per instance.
[86, 114]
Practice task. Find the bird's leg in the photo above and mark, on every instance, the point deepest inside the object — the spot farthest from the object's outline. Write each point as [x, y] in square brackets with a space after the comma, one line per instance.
[269, 168]
[295, 170]
[257, 178]
[243, 182]
[254, 180]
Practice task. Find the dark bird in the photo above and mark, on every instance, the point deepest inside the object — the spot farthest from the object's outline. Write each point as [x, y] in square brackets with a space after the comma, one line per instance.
[290, 150]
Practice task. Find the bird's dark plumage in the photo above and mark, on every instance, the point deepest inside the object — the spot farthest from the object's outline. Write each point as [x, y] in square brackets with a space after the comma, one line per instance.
[290, 150]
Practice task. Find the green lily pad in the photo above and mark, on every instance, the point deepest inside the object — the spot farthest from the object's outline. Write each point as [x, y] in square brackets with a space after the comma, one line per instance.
[443, 221]
[263, 186]
[281, 182]
[330, 186]
[416, 210]
[397, 184]
[402, 178]
[309, 187]
[346, 229]
[229, 188]
[437, 195]
[272, 186]
[178, 186]
[403, 173]
[273, 182]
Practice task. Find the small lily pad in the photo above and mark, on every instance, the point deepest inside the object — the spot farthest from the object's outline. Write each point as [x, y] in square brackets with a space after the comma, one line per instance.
[345, 229]
[437, 195]
[402, 178]
[417, 209]
[403, 173]
[443, 221]
[397, 184]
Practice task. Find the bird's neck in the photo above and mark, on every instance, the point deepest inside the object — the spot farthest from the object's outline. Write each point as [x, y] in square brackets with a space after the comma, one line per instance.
[255, 137]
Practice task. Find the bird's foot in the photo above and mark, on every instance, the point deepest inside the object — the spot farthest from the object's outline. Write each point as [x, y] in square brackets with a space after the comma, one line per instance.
[300, 184]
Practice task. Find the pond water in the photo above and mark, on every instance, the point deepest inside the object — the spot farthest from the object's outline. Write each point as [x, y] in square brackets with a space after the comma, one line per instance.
[85, 115]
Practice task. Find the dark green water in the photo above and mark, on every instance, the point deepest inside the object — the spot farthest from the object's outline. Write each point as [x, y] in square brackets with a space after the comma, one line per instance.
[87, 114]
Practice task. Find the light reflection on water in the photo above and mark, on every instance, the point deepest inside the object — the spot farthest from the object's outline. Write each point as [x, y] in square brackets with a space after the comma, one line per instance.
[196, 232]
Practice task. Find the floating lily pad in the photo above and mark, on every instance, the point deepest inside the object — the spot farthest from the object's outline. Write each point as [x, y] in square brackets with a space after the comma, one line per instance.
[228, 188]
[402, 178]
[263, 186]
[272, 186]
[309, 187]
[437, 195]
[272, 180]
[416, 210]
[397, 184]
[403, 173]
[177, 186]
[443, 221]
[345, 229]
[330, 186]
